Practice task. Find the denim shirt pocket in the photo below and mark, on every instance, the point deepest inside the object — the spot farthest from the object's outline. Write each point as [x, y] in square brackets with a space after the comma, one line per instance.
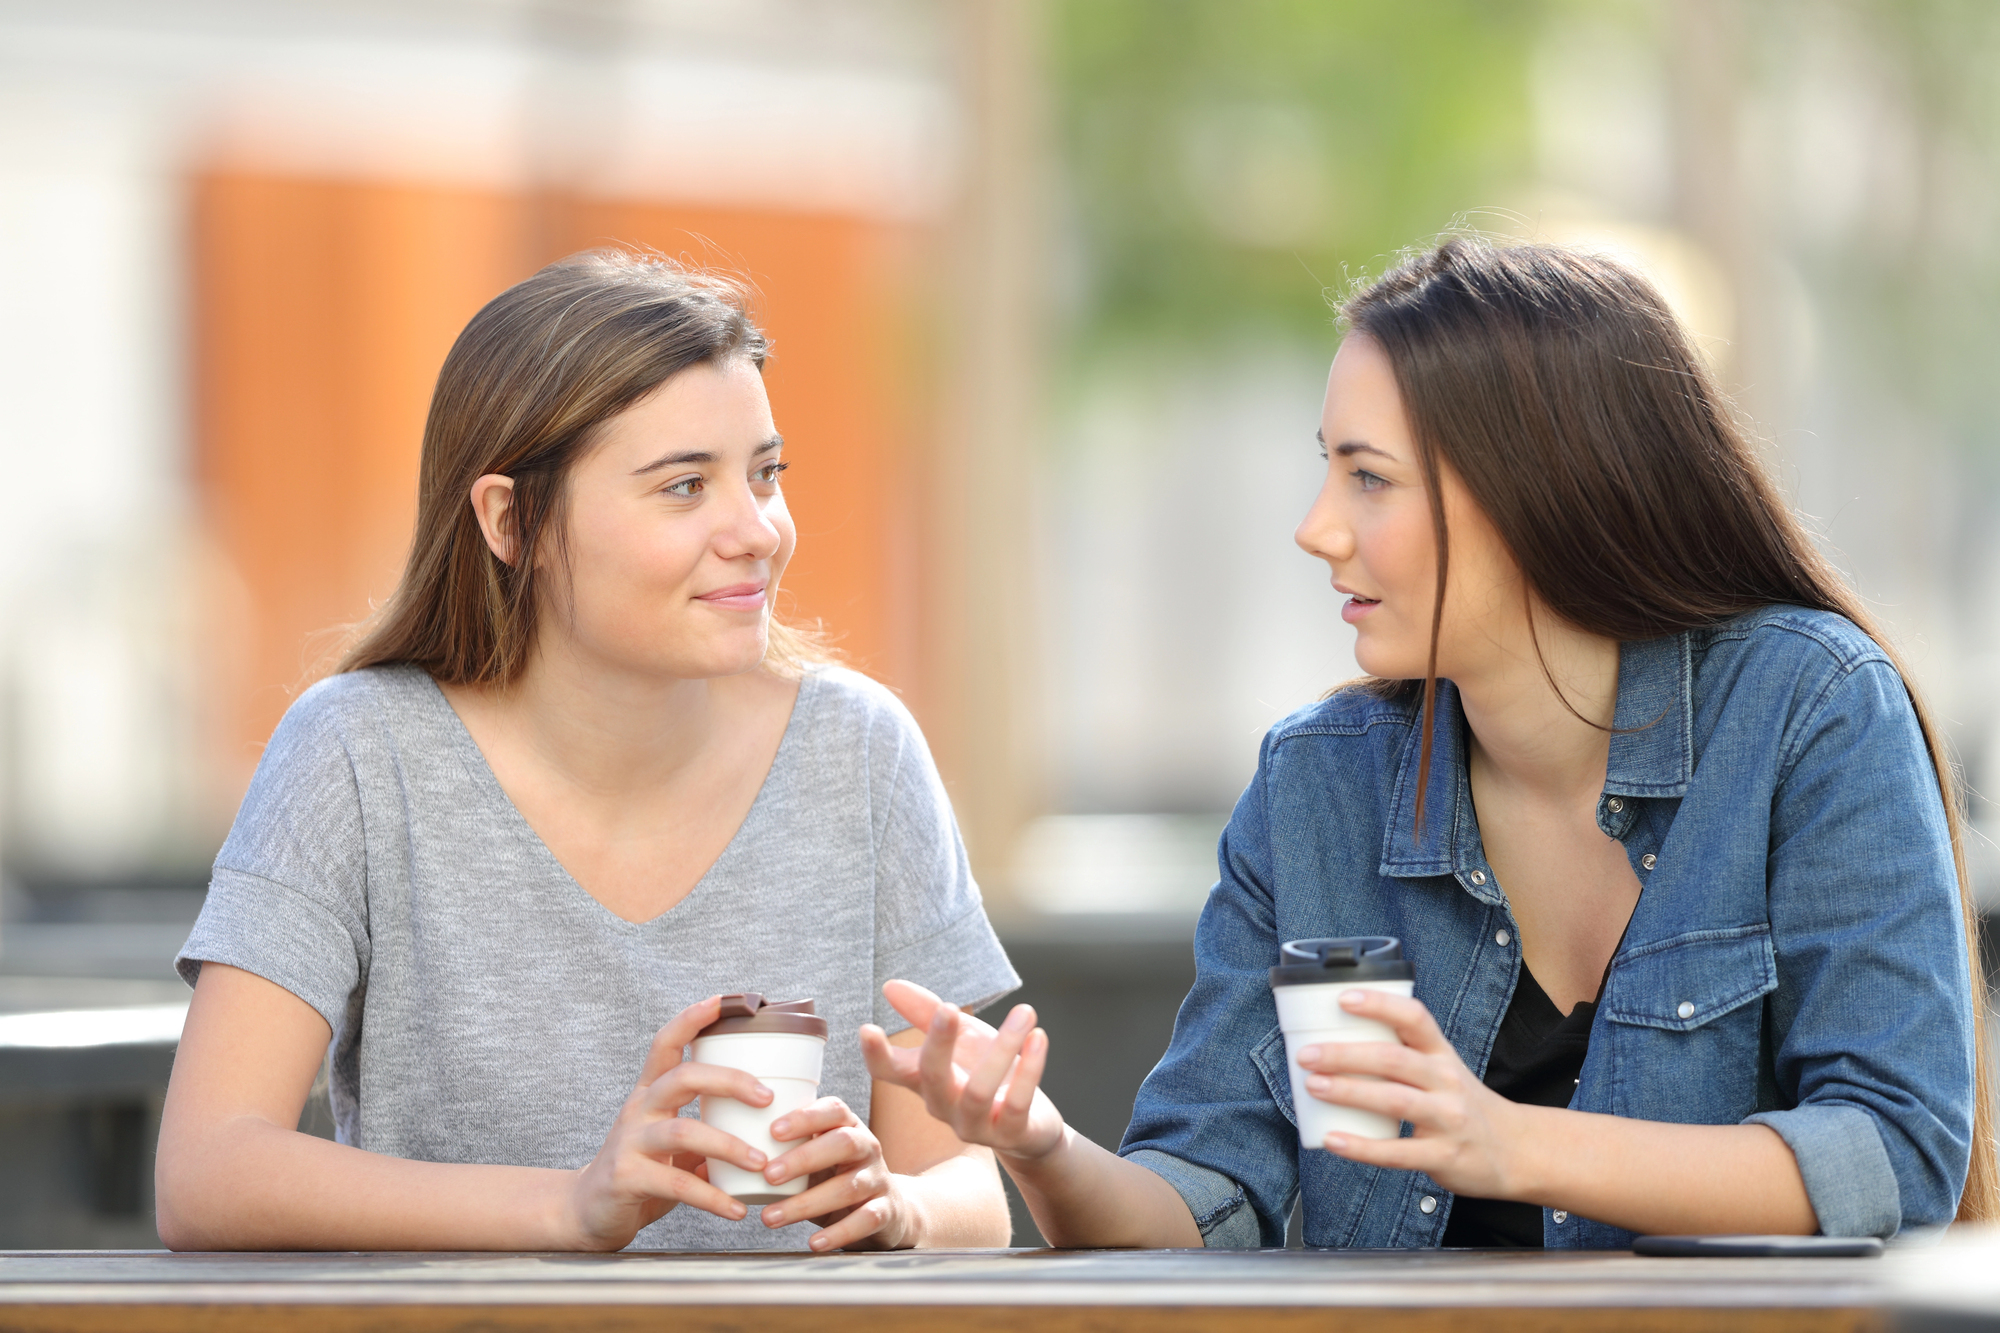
[1684, 1027]
[1271, 1061]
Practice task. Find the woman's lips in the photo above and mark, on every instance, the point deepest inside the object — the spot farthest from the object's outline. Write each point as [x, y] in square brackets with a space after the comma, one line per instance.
[1356, 607]
[737, 597]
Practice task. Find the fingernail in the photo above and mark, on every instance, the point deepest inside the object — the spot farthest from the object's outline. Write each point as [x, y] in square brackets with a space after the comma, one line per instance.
[763, 1091]
[1336, 1143]
[778, 1128]
[775, 1174]
[1016, 1020]
[1353, 999]
[756, 1159]
[773, 1216]
[739, 1211]
[1308, 1054]
[939, 1019]
[817, 1242]
[1318, 1083]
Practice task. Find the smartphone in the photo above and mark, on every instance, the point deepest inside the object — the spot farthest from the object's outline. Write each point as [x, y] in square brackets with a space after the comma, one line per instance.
[1761, 1247]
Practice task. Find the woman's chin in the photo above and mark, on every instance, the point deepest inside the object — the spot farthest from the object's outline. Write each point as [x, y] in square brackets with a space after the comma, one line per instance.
[1387, 665]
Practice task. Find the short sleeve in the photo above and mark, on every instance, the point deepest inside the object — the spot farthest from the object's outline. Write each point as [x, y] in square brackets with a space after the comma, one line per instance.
[930, 925]
[287, 900]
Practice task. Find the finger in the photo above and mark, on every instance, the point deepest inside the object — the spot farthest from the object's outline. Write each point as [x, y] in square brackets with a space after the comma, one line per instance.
[985, 1080]
[1408, 1018]
[813, 1118]
[1396, 1154]
[845, 1190]
[643, 1177]
[940, 1078]
[912, 1001]
[1398, 1101]
[857, 1226]
[1012, 1115]
[1380, 1059]
[675, 1137]
[671, 1040]
[888, 1063]
[683, 1083]
[831, 1151]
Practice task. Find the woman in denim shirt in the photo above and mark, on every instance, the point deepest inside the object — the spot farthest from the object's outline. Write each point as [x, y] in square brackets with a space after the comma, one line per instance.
[1633, 778]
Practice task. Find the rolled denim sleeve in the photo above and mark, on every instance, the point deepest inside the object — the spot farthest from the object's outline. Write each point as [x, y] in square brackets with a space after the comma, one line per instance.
[1872, 1018]
[1207, 1119]
[1221, 1209]
[1845, 1167]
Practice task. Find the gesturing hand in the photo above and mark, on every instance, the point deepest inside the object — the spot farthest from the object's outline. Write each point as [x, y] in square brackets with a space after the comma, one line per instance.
[653, 1158]
[1464, 1131]
[981, 1081]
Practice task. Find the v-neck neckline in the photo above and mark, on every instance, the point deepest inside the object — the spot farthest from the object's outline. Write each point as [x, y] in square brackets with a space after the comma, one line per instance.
[488, 781]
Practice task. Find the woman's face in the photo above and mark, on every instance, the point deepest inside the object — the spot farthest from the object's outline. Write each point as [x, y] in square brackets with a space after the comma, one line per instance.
[677, 531]
[1372, 525]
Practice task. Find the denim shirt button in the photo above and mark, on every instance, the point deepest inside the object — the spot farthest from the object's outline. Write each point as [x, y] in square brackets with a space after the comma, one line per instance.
[1427, 1204]
[1649, 860]
[1479, 877]
[1615, 805]
[1686, 1009]
[1560, 1216]
[1502, 938]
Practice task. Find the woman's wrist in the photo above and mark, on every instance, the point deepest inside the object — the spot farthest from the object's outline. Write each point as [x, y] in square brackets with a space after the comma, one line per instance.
[1530, 1143]
[1044, 1168]
[553, 1213]
[909, 1214]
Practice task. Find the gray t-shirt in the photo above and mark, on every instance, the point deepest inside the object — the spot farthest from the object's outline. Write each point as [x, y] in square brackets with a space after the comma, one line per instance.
[485, 1008]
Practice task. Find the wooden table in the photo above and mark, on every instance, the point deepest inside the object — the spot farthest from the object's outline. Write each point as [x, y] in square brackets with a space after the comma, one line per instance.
[1273, 1291]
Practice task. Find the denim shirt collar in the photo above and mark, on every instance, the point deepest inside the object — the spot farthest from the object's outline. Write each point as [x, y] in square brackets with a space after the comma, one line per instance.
[1652, 754]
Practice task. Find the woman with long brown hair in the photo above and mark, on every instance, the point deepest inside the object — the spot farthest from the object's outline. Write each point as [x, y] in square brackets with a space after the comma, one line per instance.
[1661, 823]
[573, 785]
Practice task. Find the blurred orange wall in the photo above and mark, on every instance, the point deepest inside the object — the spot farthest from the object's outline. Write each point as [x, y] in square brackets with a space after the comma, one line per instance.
[323, 309]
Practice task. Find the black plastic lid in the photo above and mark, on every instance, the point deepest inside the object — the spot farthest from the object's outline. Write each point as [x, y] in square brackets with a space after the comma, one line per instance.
[1356, 958]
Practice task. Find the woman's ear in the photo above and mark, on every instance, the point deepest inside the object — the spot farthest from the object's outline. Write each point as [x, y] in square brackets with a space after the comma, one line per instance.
[493, 504]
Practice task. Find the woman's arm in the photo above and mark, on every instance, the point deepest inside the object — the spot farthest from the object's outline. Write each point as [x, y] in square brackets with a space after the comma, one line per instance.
[1642, 1175]
[233, 1172]
[1079, 1194]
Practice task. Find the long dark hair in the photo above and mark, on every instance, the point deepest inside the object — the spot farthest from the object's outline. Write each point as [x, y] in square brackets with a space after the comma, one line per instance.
[1517, 364]
[522, 394]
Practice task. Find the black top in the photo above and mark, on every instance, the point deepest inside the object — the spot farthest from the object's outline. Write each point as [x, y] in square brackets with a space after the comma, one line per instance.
[1537, 1058]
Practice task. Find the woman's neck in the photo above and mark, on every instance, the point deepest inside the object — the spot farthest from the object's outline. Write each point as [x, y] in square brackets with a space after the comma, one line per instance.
[605, 731]
[1522, 731]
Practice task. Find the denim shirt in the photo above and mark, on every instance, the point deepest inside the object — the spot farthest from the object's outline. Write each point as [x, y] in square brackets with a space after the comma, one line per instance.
[1797, 957]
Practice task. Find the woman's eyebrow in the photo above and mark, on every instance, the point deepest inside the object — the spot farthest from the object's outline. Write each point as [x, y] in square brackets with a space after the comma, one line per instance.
[703, 456]
[1349, 448]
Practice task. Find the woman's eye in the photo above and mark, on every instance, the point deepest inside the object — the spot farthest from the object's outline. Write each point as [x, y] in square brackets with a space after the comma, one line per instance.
[1369, 481]
[686, 488]
[768, 473]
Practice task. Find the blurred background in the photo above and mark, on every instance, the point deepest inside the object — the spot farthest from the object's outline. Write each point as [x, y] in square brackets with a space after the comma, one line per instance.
[1048, 282]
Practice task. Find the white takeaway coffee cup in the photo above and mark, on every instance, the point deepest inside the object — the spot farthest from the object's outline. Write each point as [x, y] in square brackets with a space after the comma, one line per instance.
[1307, 986]
[781, 1046]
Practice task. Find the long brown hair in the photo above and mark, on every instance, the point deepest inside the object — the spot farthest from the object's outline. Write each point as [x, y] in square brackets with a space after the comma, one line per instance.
[1517, 365]
[522, 394]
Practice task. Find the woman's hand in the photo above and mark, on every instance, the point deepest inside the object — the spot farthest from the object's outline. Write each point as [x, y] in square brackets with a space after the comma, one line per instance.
[1466, 1135]
[982, 1081]
[653, 1158]
[851, 1192]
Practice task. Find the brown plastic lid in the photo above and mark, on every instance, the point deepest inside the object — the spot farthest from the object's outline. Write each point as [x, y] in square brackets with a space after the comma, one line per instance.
[748, 1012]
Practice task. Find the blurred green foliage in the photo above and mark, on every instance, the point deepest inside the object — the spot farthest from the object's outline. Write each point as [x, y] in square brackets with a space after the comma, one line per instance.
[1226, 160]
[1914, 285]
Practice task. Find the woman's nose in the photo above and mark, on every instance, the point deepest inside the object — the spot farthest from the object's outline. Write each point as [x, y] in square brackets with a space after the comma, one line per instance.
[746, 528]
[1322, 534]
